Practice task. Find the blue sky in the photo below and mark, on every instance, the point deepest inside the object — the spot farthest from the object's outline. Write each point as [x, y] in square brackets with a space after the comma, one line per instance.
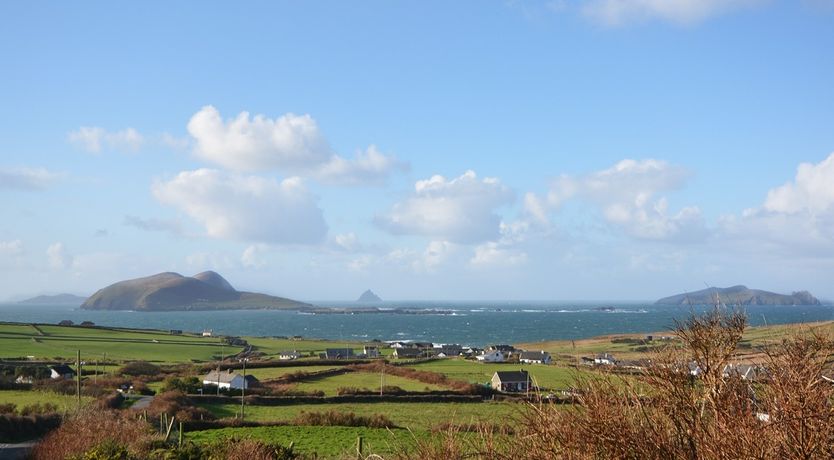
[588, 149]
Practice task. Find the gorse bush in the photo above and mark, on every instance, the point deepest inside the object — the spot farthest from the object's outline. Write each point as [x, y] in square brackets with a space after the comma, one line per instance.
[334, 418]
[669, 413]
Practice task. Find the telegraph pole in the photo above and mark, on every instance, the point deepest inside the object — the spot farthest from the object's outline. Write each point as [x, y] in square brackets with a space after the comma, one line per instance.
[243, 388]
[78, 378]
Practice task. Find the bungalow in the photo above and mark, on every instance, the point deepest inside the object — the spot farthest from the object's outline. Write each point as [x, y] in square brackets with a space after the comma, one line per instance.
[289, 355]
[422, 345]
[535, 357]
[449, 349]
[407, 353]
[337, 353]
[605, 359]
[61, 371]
[229, 379]
[399, 345]
[207, 333]
[511, 381]
[502, 348]
[494, 356]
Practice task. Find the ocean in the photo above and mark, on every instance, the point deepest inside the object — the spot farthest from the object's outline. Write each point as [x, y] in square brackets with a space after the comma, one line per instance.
[467, 323]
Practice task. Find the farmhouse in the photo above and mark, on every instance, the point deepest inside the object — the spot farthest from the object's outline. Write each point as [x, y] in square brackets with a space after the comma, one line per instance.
[605, 359]
[228, 379]
[61, 371]
[493, 356]
[337, 353]
[289, 355]
[535, 357]
[408, 353]
[370, 351]
[207, 333]
[511, 381]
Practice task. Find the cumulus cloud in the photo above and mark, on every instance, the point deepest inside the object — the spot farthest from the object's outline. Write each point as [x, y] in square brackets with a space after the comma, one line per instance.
[796, 217]
[11, 248]
[290, 143]
[621, 12]
[494, 253]
[252, 256]
[627, 195]
[246, 208]
[27, 178]
[94, 139]
[59, 257]
[460, 210]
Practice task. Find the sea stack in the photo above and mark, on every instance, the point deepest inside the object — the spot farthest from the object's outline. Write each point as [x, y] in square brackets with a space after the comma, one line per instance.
[369, 296]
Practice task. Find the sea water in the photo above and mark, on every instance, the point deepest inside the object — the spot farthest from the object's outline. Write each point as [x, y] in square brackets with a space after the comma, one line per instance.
[469, 323]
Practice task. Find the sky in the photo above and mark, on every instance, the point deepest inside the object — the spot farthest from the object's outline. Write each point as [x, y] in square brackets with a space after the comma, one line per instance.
[432, 150]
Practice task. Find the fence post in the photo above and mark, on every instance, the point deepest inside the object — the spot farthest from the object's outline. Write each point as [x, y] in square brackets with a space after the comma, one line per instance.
[180, 440]
[359, 447]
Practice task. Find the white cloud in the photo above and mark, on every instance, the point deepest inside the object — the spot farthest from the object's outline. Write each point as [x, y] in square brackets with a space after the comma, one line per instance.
[348, 242]
[94, 138]
[461, 210]
[796, 218]
[247, 208]
[495, 254]
[627, 196]
[11, 248]
[290, 143]
[59, 257]
[27, 178]
[367, 168]
[252, 256]
[621, 12]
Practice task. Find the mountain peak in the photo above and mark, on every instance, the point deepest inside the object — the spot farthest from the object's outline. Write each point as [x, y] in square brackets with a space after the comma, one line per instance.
[369, 296]
[214, 279]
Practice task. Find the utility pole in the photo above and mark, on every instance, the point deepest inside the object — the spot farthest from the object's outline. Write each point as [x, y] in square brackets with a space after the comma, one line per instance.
[243, 388]
[105, 363]
[382, 378]
[78, 378]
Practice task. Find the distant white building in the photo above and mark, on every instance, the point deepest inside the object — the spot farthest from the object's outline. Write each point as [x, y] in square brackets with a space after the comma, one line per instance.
[226, 379]
[370, 351]
[494, 356]
[535, 357]
[207, 333]
[289, 355]
[605, 359]
[61, 371]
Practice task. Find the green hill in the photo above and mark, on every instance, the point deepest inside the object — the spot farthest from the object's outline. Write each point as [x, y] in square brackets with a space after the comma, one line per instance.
[739, 295]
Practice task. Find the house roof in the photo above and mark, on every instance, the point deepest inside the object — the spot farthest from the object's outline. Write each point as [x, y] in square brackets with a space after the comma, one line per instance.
[220, 376]
[534, 355]
[338, 352]
[62, 369]
[512, 376]
[408, 352]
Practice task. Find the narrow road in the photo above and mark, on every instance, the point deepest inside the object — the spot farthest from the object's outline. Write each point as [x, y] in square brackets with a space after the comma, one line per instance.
[16, 451]
[142, 403]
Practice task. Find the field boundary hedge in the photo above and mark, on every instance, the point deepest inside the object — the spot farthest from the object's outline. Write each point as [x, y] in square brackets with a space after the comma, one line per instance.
[435, 397]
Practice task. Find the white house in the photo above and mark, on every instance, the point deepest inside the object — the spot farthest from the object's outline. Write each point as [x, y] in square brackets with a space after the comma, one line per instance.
[226, 379]
[494, 356]
[61, 371]
[535, 357]
[370, 351]
[605, 359]
[207, 333]
[511, 381]
[289, 355]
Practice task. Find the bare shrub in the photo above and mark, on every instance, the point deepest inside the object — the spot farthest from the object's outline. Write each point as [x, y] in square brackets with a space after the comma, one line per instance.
[334, 418]
[91, 429]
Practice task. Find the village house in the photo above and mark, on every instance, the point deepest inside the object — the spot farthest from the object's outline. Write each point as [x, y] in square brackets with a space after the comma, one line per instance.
[370, 351]
[535, 357]
[494, 356]
[407, 353]
[207, 333]
[399, 345]
[289, 355]
[61, 371]
[511, 381]
[229, 380]
[337, 353]
[744, 371]
[175, 332]
[605, 359]
[448, 350]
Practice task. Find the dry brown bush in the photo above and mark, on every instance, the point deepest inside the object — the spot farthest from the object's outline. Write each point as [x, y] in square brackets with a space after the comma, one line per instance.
[92, 428]
[670, 414]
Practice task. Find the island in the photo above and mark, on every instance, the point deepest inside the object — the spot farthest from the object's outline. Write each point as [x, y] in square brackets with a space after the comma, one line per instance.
[174, 292]
[739, 295]
[369, 296]
[58, 299]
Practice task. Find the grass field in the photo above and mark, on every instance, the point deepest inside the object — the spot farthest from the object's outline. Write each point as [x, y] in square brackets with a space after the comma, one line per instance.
[26, 398]
[406, 415]
[266, 373]
[60, 342]
[323, 441]
[554, 377]
[329, 385]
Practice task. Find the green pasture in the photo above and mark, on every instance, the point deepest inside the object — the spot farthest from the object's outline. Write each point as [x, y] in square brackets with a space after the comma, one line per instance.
[24, 398]
[545, 376]
[267, 373]
[321, 441]
[405, 415]
[330, 385]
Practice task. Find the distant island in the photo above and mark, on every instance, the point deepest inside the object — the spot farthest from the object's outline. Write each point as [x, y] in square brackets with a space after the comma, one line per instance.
[739, 295]
[369, 296]
[58, 299]
[174, 292]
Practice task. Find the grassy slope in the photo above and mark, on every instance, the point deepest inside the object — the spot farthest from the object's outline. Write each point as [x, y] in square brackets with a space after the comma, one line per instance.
[406, 415]
[25, 398]
[324, 441]
[329, 385]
